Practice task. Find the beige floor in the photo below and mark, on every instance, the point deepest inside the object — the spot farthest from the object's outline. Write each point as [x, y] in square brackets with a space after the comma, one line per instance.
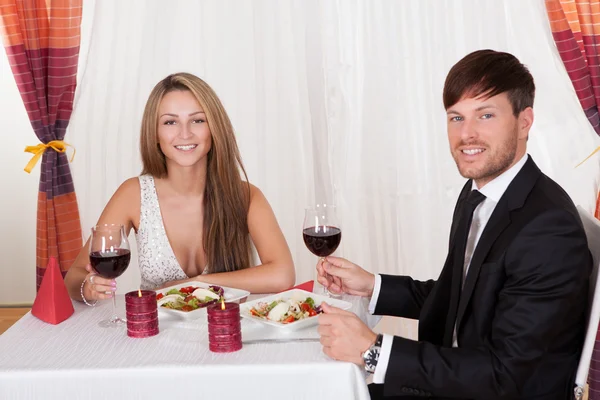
[9, 316]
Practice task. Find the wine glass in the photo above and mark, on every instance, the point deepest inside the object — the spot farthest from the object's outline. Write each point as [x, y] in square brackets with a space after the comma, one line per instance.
[109, 256]
[321, 233]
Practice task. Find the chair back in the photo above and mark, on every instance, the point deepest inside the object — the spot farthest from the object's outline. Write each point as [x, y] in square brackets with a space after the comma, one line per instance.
[592, 231]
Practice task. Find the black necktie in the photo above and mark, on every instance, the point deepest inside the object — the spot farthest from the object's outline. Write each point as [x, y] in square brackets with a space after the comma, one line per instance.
[460, 246]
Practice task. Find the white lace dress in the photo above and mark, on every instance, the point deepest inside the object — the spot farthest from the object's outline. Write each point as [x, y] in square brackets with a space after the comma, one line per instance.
[157, 261]
[156, 258]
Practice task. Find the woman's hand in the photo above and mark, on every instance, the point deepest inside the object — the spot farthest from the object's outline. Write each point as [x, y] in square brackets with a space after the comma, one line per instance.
[97, 287]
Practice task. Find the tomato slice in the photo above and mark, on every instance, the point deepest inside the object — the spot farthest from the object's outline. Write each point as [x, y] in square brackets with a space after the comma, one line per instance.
[159, 296]
[289, 319]
[312, 312]
[187, 308]
[305, 307]
[187, 289]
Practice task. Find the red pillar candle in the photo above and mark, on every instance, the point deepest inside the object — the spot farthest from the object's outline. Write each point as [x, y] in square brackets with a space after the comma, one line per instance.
[142, 313]
[224, 328]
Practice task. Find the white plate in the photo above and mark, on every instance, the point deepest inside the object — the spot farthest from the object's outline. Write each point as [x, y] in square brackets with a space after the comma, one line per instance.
[231, 295]
[298, 294]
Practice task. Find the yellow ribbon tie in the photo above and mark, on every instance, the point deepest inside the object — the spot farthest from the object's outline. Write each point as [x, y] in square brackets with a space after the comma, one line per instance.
[57, 145]
[588, 157]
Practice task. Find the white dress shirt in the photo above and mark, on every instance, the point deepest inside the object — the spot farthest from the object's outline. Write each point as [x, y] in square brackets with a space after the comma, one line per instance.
[493, 191]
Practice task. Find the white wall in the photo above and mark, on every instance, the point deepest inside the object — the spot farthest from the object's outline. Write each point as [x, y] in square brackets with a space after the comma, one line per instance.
[19, 195]
[330, 100]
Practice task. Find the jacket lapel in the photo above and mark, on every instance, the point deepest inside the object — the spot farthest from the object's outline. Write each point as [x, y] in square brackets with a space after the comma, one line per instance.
[514, 198]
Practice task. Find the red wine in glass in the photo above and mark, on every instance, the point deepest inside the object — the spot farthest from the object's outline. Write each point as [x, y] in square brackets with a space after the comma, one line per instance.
[322, 241]
[321, 232]
[111, 264]
[109, 257]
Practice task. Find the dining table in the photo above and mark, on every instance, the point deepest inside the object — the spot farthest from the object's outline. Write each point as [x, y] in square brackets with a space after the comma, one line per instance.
[78, 359]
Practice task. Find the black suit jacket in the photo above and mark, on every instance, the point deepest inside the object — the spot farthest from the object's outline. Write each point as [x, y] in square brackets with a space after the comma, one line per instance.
[521, 315]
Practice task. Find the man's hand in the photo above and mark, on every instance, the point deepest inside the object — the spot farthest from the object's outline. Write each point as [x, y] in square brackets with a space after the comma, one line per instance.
[341, 276]
[343, 335]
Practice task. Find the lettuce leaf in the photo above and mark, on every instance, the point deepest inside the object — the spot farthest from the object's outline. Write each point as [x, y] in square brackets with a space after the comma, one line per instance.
[175, 291]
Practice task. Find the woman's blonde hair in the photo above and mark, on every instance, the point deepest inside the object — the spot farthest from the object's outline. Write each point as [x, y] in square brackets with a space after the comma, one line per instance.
[227, 195]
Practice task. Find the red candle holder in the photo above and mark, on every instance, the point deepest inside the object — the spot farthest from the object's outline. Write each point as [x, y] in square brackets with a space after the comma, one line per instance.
[219, 329]
[137, 317]
[140, 308]
[142, 313]
[223, 321]
[224, 328]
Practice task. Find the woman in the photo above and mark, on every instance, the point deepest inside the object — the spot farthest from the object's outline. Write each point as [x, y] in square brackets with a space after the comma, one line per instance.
[195, 218]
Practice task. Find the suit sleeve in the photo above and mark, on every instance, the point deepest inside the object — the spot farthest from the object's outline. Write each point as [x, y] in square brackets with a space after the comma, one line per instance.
[547, 270]
[402, 296]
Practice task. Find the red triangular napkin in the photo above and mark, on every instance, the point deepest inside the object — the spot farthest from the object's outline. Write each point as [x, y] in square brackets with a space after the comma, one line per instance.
[52, 303]
[308, 286]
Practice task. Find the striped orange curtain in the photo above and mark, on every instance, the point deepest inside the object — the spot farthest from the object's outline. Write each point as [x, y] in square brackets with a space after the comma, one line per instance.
[41, 39]
[576, 30]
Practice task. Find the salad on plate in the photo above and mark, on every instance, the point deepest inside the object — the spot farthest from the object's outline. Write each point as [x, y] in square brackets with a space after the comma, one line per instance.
[190, 298]
[286, 311]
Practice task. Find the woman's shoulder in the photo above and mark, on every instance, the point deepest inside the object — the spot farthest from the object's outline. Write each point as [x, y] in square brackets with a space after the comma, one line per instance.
[132, 184]
[124, 203]
[255, 192]
[128, 190]
[258, 201]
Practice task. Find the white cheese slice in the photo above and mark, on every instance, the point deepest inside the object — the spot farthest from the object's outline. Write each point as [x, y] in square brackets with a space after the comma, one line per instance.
[202, 293]
[277, 313]
[171, 298]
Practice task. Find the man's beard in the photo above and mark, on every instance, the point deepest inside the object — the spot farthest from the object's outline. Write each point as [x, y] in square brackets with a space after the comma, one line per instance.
[499, 162]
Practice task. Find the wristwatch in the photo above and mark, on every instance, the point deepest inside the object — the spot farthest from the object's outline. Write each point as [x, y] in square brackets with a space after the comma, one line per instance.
[371, 355]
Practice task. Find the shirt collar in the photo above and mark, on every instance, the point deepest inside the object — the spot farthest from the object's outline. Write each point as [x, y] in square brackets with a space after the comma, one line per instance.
[496, 187]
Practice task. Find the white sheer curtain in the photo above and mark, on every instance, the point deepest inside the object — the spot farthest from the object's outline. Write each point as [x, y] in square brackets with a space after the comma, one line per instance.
[393, 175]
[331, 100]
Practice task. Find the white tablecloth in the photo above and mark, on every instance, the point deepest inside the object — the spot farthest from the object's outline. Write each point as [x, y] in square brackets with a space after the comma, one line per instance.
[79, 360]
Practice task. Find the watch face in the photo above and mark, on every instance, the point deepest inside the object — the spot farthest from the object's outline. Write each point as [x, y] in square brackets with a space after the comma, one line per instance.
[370, 358]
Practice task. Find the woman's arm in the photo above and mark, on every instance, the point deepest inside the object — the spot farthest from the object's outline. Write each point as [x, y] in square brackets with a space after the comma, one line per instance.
[276, 273]
[123, 208]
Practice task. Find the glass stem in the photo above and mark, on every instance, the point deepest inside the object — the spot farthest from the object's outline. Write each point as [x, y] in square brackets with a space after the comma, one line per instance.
[114, 301]
[325, 290]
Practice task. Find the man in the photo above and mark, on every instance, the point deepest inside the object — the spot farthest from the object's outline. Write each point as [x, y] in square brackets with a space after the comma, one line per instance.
[506, 317]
